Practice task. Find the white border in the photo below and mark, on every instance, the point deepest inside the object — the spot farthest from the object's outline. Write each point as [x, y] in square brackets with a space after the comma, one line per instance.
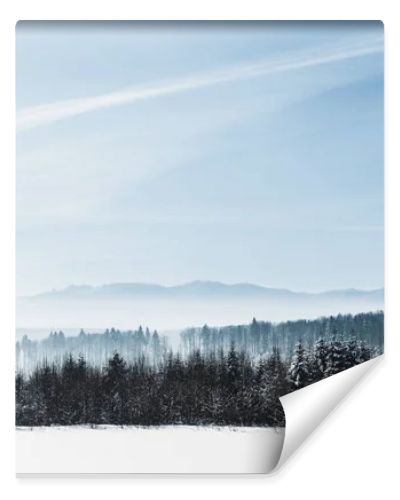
[355, 453]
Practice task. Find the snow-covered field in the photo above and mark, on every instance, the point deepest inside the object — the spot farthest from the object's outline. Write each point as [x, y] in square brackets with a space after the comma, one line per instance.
[169, 449]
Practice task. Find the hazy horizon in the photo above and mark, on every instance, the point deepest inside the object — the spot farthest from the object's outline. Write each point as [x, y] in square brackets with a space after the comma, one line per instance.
[177, 308]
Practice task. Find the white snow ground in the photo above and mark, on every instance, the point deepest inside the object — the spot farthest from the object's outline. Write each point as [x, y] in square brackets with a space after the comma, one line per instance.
[169, 449]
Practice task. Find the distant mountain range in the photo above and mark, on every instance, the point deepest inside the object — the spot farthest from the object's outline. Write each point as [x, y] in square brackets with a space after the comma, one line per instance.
[127, 305]
[202, 289]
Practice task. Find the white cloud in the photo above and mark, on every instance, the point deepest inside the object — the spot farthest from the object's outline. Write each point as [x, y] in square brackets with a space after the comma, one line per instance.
[34, 116]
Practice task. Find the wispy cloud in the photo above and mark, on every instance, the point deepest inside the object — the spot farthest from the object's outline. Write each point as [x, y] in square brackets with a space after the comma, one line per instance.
[35, 116]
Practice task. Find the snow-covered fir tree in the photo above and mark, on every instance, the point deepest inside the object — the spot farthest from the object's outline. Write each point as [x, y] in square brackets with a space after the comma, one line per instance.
[299, 368]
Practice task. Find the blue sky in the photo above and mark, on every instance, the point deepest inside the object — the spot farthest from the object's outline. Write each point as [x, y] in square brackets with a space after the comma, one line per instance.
[170, 153]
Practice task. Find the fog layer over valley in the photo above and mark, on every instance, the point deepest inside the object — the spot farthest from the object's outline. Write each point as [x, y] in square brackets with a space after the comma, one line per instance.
[171, 309]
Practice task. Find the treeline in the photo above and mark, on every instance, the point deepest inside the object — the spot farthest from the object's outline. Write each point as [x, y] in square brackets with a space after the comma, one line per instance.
[224, 389]
[96, 348]
[260, 337]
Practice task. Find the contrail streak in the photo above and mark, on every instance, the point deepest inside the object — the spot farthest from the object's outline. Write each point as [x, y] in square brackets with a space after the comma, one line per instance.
[42, 114]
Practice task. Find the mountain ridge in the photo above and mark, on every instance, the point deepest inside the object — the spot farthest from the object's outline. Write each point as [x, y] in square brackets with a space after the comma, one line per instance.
[196, 288]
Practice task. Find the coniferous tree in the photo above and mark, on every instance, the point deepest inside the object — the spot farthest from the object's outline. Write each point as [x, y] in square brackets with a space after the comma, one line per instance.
[351, 352]
[336, 355]
[115, 383]
[320, 359]
[299, 370]
[365, 353]
[272, 385]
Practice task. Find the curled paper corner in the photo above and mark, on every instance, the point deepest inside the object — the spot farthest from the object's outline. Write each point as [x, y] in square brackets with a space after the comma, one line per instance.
[305, 409]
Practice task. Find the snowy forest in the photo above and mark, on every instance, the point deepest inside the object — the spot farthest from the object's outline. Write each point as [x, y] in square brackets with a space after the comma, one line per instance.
[220, 376]
[260, 337]
[96, 348]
